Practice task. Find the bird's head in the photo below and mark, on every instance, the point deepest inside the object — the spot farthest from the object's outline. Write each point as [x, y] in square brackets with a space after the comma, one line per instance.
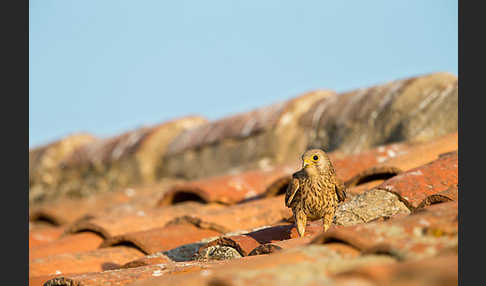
[315, 160]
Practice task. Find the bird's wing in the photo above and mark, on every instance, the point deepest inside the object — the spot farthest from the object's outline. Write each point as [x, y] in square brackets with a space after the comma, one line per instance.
[291, 191]
[340, 190]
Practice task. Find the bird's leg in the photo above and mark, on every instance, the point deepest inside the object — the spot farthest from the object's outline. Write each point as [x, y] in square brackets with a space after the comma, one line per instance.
[327, 220]
[300, 220]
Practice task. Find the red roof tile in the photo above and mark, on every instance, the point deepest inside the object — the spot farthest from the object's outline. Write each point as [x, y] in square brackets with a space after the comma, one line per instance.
[126, 276]
[226, 189]
[113, 225]
[402, 236]
[440, 270]
[88, 261]
[128, 200]
[160, 239]
[70, 243]
[418, 184]
[243, 216]
[258, 240]
[310, 264]
[401, 158]
[157, 258]
[43, 235]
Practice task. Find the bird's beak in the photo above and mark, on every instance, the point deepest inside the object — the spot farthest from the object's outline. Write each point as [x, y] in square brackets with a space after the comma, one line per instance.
[306, 163]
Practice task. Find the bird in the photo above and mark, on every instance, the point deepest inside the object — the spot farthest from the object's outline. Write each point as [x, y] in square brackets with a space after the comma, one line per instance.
[315, 191]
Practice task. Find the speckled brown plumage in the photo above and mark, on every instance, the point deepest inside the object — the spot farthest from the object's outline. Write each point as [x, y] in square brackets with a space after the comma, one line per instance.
[314, 191]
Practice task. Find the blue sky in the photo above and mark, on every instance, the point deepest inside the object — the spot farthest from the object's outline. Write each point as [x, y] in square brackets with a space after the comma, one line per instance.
[105, 67]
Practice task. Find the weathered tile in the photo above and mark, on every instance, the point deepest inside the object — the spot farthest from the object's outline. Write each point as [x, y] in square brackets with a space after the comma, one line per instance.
[416, 185]
[250, 140]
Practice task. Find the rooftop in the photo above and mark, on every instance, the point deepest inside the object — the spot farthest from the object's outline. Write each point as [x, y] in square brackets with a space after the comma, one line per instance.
[198, 202]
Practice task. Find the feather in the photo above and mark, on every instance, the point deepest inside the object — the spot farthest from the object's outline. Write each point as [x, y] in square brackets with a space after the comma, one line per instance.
[291, 191]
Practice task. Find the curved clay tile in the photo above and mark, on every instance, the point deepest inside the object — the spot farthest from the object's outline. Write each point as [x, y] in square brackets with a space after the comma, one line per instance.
[78, 242]
[245, 216]
[127, 276]
[161, 239]
[244, 244]
[245, 141]
[418, 184]
[313, 263]
[440, 270]
[42, 235]
[157, 258]
[88, 261]
[226, 189]
[406, 157]
[113, 225]
[129, 200]
[434, 228]
[412, 109]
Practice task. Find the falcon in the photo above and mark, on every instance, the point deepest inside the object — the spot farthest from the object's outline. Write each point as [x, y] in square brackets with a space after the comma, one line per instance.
[314, 192]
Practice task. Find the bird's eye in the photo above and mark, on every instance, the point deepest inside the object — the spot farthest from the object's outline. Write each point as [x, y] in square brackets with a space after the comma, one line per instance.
[315, 158]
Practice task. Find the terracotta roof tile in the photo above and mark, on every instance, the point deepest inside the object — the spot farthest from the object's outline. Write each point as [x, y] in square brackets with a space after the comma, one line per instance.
[88, 261]
[348, 166]
[313, 264]
[128, 200]
[128, 275]
[418, 235]
[258, 241]
[157, 258]
[418, 184]
[42, 235]
[243, 216]
[401, 158]
[113, 225]
[71, 243]
[271, 247]
[226, 189]
[161, 239]
[440, 270]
